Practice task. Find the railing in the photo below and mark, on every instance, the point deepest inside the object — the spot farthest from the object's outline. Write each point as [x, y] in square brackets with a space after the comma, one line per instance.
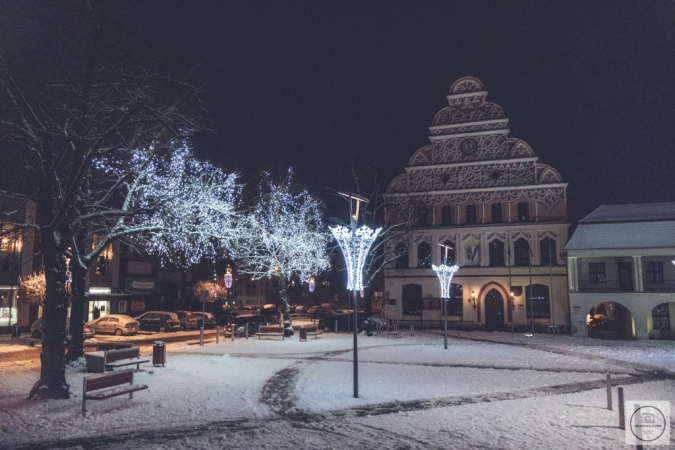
[615, 286]
[666, 286]
[606, 286]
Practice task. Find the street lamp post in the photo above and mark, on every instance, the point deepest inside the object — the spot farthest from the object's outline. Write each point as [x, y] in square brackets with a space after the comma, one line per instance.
[445, 273]
[227, 278]
[355, 244]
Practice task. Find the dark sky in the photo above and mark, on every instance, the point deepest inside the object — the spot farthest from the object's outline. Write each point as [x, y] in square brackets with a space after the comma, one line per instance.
[590, 85]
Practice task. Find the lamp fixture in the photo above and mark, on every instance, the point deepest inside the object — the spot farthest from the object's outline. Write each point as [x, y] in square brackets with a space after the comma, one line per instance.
[473, 299]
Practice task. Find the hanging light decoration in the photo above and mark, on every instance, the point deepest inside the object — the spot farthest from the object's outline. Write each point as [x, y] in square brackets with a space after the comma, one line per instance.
[362, 292]
[228, 277]
[312, 284]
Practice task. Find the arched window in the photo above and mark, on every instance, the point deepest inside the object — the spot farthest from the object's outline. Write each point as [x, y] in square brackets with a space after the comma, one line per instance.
[537, 301]
[401, 261]
[496, 249]
[450, 260]
[521, 253]
[411, 300]
[456, 302]
[496, 212]
[424, 255]
[548, 252]
[471, 214]
[446, 215]
[523, 212]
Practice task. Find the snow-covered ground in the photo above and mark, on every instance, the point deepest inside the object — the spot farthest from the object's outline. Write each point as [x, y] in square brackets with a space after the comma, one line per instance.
[487, 390]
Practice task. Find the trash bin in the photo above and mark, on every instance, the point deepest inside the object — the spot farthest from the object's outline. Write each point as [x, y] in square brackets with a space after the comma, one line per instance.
[303, 333]
[16, 333]
[158, 353]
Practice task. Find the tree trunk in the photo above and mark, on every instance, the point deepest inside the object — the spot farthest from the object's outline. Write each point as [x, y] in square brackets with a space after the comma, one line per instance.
[79, 301]
[52, 382]
[285, 307]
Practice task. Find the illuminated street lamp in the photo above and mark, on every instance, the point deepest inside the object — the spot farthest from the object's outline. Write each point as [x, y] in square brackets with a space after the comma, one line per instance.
[355, 244]
[445, 273]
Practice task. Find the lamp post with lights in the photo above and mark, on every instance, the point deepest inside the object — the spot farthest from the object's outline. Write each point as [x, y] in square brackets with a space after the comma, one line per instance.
[355, 244]
[445, 273]
[227, 278]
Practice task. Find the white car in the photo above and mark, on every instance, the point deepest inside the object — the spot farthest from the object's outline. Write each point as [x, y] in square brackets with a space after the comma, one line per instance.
[117, 324]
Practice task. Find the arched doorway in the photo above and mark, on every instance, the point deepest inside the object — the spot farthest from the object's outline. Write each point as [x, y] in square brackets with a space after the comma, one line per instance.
[610, 320]
[494, 311]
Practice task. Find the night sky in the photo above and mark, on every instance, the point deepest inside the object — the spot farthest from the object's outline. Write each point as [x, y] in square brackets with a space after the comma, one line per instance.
[318, 84]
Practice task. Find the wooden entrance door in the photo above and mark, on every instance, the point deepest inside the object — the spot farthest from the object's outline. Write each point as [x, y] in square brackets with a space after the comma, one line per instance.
[494, 311]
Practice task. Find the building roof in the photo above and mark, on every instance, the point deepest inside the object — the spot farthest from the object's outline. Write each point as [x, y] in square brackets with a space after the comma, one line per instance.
[636, 212]
[632, 226]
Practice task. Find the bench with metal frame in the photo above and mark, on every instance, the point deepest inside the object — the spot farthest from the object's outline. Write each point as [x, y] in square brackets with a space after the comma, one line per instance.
[121, 382]
[99, 362]
[270, 331]
[112, 345]
[312, 330]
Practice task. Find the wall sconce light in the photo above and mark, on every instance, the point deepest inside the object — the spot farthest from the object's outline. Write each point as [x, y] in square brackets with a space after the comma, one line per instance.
[513, 301]
[473, 299]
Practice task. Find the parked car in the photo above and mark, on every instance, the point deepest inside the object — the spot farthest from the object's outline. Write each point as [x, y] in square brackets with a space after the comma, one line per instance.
[188, 321]
[345, 322]
[118, 324]
[254, 321]
[302, 309]
[37, 331]
[161, 321]
[209, 323]
[271, 313]
[319, 312]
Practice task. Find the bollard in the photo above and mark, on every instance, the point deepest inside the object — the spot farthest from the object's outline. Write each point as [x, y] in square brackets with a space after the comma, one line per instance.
[232, 325]
[378, 328]
[246, 331]
[609, 391]
[217, 335]
[336, 325]
[201, 337]
[412, 330]
[622, 412]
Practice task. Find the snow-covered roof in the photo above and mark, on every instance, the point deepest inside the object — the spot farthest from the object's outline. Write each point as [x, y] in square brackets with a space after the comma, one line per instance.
[632, 226]
[632, 212]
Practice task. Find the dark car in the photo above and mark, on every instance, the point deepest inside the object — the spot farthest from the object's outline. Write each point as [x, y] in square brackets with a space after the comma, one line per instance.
[319, 312]
[159, 321]
[188, 321]
[37, 331]
[345, 322]
[600, 327]
[271, 313]
[210, 322]
[254, 321]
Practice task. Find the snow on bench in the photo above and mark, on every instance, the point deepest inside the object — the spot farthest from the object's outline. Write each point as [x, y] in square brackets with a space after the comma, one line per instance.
[270, 331]
[99, 362]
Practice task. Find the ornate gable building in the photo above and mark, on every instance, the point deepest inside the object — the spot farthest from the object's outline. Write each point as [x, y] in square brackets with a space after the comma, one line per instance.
[504, 214]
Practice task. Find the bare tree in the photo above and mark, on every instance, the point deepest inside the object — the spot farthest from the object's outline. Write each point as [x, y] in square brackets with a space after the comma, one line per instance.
[285, 236]
[165, 201]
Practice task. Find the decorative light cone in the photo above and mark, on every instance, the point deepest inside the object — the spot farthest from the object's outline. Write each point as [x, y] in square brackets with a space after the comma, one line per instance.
[445, 274]
[312, 284]
[355, 247]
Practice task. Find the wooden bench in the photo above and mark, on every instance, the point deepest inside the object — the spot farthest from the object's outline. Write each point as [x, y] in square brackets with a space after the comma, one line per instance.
[264, 331]
[99, 362]
[121, 382]
[312, 330]
[112, 345]
[393, 331]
